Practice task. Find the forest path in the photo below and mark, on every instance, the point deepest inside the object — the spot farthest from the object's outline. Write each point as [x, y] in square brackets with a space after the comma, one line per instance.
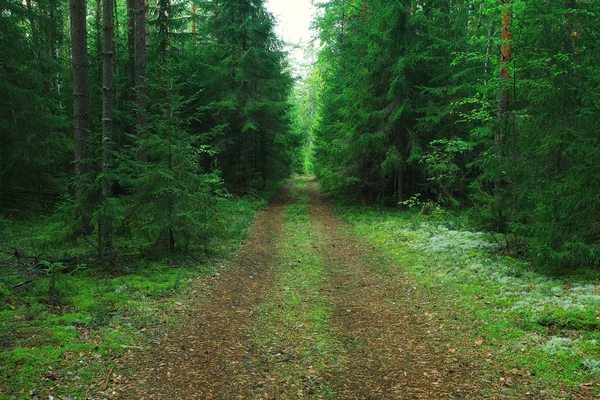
[303, 313]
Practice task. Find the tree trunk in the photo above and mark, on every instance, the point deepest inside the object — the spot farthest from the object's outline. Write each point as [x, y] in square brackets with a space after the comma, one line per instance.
[504, 95]
[505, 60]
[99, 40]
[171, 205]
[81, 94]
[568, 50]
[56, 40]
[364, 12]
[131, 47]
[140, 73]
[400, 184]
[105, 228]
[4, 177]
[193, 16]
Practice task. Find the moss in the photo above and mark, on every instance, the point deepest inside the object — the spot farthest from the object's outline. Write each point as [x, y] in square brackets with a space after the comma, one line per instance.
[509, 299]
[97, 314]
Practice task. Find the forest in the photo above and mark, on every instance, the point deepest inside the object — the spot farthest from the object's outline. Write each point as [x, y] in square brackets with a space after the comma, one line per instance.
[139, 119]
[487, 105]
[155, 153]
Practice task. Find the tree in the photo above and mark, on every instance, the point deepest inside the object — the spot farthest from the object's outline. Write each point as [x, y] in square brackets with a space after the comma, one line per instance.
[504, 74]
[105, 225]
[140, 73]
[131, 5]
[250, 88]
[148, 161]
[81, 96]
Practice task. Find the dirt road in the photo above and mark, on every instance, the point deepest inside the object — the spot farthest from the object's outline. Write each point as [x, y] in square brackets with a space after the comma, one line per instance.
[303, 313]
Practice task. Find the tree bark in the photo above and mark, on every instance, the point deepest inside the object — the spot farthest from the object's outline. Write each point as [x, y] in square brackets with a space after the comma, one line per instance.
[505, 60]
[193, 16]
[503, 92]
[81, 93]
[105, 238]
[568, 50]
[131, 47]
[140, 73]
[99, 39]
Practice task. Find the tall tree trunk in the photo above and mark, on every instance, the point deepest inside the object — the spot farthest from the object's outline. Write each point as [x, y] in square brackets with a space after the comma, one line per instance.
[505, 60]
[400, 184]
[131, 47]
[170, 200]
[503, 93]
[81, 91]
[99, 38]
[363, 12]
[193, 16]
[56, 39]
[4, 173]
[140, 73]
[568, 50]
[105, 228]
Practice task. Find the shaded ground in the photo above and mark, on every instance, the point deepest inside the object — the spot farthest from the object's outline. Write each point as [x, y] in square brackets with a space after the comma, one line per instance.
[376, 343]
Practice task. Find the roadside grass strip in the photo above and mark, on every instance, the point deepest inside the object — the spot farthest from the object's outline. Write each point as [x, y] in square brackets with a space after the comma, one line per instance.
[293, 324]
[543, 325]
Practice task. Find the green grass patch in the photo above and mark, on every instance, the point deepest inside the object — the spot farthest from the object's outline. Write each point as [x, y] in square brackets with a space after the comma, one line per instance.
[530, 319]
[293, 325]
[61, 329]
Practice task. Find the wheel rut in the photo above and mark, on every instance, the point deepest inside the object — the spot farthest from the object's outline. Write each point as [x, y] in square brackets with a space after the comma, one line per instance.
[209, 353]
[393, 350]
[258, 331]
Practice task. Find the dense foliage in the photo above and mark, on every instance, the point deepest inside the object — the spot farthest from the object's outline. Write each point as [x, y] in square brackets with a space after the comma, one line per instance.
[188, 103]
[488, 104]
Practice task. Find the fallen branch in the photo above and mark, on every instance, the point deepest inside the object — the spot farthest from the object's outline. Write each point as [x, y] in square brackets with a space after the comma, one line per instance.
[21, 284]
[132, 347]
[108, 378]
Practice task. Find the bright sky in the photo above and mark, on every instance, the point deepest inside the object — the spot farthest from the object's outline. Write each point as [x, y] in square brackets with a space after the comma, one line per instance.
[294, 18]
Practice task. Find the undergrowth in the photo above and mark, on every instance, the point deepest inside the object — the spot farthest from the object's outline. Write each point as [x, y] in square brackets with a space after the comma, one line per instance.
[532, 318]
[63, 328]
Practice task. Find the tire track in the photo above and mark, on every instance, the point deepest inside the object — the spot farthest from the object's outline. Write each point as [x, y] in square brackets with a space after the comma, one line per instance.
[211, 354]
[393, 351]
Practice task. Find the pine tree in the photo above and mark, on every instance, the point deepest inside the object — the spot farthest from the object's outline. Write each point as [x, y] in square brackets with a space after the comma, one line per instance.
[105, 225]
[140, 73]
[81, 96]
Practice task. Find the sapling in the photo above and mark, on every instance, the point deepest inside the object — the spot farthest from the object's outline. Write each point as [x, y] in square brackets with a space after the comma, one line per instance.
[52, 271]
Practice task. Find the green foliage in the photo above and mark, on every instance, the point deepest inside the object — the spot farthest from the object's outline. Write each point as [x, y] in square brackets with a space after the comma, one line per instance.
[174, 203]
[409, 104]
[33, 120]
[218, 122]
[81, 325]
[244, 103]
[443, 169]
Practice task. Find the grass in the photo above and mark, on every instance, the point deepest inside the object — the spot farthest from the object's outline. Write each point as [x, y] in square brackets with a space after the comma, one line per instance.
[294, 329]
[529, 318]
[63, 329]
